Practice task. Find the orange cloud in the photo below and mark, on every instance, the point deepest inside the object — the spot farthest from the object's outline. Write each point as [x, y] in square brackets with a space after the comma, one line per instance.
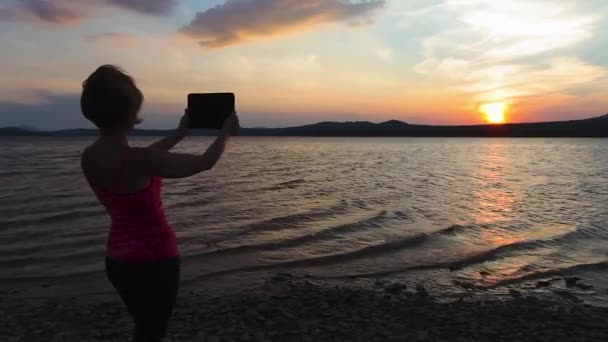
[241, 21]
[510, 50]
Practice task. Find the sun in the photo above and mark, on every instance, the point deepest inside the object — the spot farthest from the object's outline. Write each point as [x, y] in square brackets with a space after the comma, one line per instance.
[494, 112]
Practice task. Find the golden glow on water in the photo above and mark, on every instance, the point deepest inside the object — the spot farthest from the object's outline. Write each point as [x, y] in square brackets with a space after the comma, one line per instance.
[493, 201]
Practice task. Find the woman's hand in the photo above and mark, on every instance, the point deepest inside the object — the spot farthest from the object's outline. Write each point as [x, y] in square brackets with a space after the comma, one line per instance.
[184, 124]
[231, 125]
[153, 162]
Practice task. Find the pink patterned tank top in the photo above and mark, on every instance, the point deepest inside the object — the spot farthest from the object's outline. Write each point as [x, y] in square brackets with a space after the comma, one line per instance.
[139, 232]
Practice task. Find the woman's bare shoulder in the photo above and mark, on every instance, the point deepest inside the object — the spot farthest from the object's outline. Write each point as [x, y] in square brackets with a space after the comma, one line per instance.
[96, 154]
[86, 154]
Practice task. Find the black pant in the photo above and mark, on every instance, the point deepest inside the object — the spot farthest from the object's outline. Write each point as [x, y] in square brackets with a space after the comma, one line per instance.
[149, 291]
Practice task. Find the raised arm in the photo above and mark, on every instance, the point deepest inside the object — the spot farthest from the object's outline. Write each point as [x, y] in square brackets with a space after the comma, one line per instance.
[167, 143]
[156, 162]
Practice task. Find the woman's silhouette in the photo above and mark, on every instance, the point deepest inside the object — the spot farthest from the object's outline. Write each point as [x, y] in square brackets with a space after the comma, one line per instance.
[142, 259]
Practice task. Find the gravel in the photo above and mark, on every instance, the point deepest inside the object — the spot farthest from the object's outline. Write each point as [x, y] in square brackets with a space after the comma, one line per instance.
[288, 309]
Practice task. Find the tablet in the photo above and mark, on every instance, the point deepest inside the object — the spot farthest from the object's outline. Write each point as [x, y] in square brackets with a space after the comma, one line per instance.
[210, 110]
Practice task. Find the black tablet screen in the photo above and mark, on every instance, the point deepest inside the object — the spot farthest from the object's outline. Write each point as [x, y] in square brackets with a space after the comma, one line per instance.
[209, 110]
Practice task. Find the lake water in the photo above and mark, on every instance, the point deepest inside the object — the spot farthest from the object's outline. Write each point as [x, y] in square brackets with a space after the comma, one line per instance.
[494, 213]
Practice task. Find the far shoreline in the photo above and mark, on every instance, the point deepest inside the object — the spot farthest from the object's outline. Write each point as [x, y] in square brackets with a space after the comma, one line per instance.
[596, 127]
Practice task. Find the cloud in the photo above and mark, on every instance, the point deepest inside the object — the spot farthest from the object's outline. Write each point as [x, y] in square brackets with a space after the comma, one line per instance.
[517, 81]
[501, 50]
[53, 12]
[8, 14]
[115, 39]
[385, 54]
[68, 12]
[240, 21]
[148, 7]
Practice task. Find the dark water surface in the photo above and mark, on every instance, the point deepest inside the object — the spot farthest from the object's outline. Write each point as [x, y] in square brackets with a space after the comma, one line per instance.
[488, 212]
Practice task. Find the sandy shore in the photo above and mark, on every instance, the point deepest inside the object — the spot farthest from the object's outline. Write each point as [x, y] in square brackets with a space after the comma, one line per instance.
[287, 309]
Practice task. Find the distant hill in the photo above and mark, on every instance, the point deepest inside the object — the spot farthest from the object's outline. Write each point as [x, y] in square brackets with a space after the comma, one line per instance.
[593, 127]
[17, 131]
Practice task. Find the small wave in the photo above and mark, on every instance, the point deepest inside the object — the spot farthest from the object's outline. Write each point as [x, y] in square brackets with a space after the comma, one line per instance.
[17, 173]
[60, 244]
[451, 230]
[197, 202]
[280, 222]
[499, 251]
[96, 252]
[494, 253]
[326, 234]
[478, 258]
[383, 248]
[31, 195]
[199, 189]
[403, 215]
[73, 277]
[602, 265]
[16, 210]
[291, 184]
[52, 218]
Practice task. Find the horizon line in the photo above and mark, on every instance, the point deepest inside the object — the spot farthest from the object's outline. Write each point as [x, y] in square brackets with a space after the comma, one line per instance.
[35, 129]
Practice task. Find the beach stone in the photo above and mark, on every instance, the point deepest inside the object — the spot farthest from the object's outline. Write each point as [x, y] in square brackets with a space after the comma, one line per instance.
[465, 285]
[395, 288]
[454, 268]
[282, 277]
[487, 331]
[421, 290]
[515, 293]
[422, 335]
[584, 286]
[251, 313]
[380, 283]
[571, 281]
[543, 283]
[568, 296]
[532, 299]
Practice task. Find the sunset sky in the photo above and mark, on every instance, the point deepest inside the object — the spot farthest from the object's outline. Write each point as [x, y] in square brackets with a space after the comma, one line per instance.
[293, 62]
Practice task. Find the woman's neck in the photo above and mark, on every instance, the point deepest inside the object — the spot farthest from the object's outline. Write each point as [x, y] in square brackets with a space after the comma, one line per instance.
[114, 138]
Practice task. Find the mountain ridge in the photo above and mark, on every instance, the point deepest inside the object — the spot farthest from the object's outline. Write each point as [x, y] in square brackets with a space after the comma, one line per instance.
[591, 127]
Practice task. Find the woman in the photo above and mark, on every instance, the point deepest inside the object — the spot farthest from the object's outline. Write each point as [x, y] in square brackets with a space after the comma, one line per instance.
[142, 259]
